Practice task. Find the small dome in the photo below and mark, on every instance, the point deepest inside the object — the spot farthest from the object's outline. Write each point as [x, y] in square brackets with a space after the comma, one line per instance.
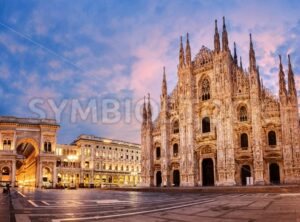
[203, 56]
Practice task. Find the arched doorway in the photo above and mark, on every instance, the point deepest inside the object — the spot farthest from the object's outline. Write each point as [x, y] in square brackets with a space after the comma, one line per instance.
[176, 178]
[274, 173]
[208, 172]
[158, 179]
[26, 162]
[245, 172]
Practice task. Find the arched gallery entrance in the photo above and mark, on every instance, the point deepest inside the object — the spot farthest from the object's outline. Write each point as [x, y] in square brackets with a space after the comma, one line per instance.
[245, 172]
[208, 172]
[176, 178]
[26, 163]
[158, 178]
[5, 175]
[274, 173]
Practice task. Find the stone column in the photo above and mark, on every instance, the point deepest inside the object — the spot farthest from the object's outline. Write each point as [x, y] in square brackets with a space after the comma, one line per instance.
[81, 176]
[200, 171]
[13, 173]
[54, 177]
[40, 175]
[92, 176]
[37, 172]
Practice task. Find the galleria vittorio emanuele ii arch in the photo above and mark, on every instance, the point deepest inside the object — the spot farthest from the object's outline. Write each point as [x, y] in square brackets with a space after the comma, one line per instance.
[27, 151]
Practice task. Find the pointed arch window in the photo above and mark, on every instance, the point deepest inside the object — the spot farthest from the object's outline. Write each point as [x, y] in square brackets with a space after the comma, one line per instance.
[176, 127]
[205, 90]
[175, 150]
[244, 141]
[157, 153]
[272, 138]
[205, 125]
[243, 114]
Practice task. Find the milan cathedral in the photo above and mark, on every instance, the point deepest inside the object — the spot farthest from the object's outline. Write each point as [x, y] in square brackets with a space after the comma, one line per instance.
[220, 126]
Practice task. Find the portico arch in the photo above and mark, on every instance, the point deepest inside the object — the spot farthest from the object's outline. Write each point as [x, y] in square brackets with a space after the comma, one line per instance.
[26, 162]
[25, 153]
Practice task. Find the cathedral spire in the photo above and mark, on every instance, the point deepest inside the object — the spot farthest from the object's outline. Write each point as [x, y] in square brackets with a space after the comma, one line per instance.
[291, 80]
[252, 59]
[144, 111]
[149, 111]
[241, 62]
[282, 84]
[164, 84]
[217, 38]
[235, 60]
[188, 56]
[224, 37]
[181, 54]
[262, 89]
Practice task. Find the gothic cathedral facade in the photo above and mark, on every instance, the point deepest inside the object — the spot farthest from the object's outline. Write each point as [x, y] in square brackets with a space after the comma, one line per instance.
[220, 126]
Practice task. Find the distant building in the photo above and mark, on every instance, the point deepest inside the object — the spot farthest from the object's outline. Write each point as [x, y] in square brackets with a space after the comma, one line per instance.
[220, 125]
[30, 156]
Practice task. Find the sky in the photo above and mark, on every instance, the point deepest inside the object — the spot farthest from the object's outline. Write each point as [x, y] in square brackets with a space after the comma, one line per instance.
[59, 56]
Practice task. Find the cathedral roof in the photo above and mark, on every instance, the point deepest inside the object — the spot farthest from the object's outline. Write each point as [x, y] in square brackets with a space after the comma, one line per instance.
[203, 56]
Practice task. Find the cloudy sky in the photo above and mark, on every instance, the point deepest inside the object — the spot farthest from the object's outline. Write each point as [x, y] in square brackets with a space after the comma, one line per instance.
[60, 53]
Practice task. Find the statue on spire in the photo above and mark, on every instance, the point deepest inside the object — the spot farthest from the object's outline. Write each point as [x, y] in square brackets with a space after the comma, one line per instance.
[217, 38]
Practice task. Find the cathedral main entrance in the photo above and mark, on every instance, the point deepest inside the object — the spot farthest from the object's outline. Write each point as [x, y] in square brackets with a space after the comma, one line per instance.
[176, 178]
[26, 163]
[158, 178]
[208, 172]
[245, 172]
[274, 173]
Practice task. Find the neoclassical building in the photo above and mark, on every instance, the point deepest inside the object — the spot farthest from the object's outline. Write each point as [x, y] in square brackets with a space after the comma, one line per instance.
[30, 156]
[27, 151]
[220, 126]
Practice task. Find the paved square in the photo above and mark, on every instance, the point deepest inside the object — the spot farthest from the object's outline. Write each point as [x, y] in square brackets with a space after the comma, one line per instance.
[106, 205]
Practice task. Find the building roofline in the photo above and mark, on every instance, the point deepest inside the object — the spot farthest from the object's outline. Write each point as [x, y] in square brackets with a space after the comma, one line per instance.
[104, 140]
[30, 121]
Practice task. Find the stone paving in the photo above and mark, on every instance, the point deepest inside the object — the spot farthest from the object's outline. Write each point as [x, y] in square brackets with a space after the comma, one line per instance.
[107, 205]
[4, 207]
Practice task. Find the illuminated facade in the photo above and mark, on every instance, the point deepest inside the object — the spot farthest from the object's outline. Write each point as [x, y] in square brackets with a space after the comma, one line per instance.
[30, 156]
[220, 125]
[98, 161]
[27, 151]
